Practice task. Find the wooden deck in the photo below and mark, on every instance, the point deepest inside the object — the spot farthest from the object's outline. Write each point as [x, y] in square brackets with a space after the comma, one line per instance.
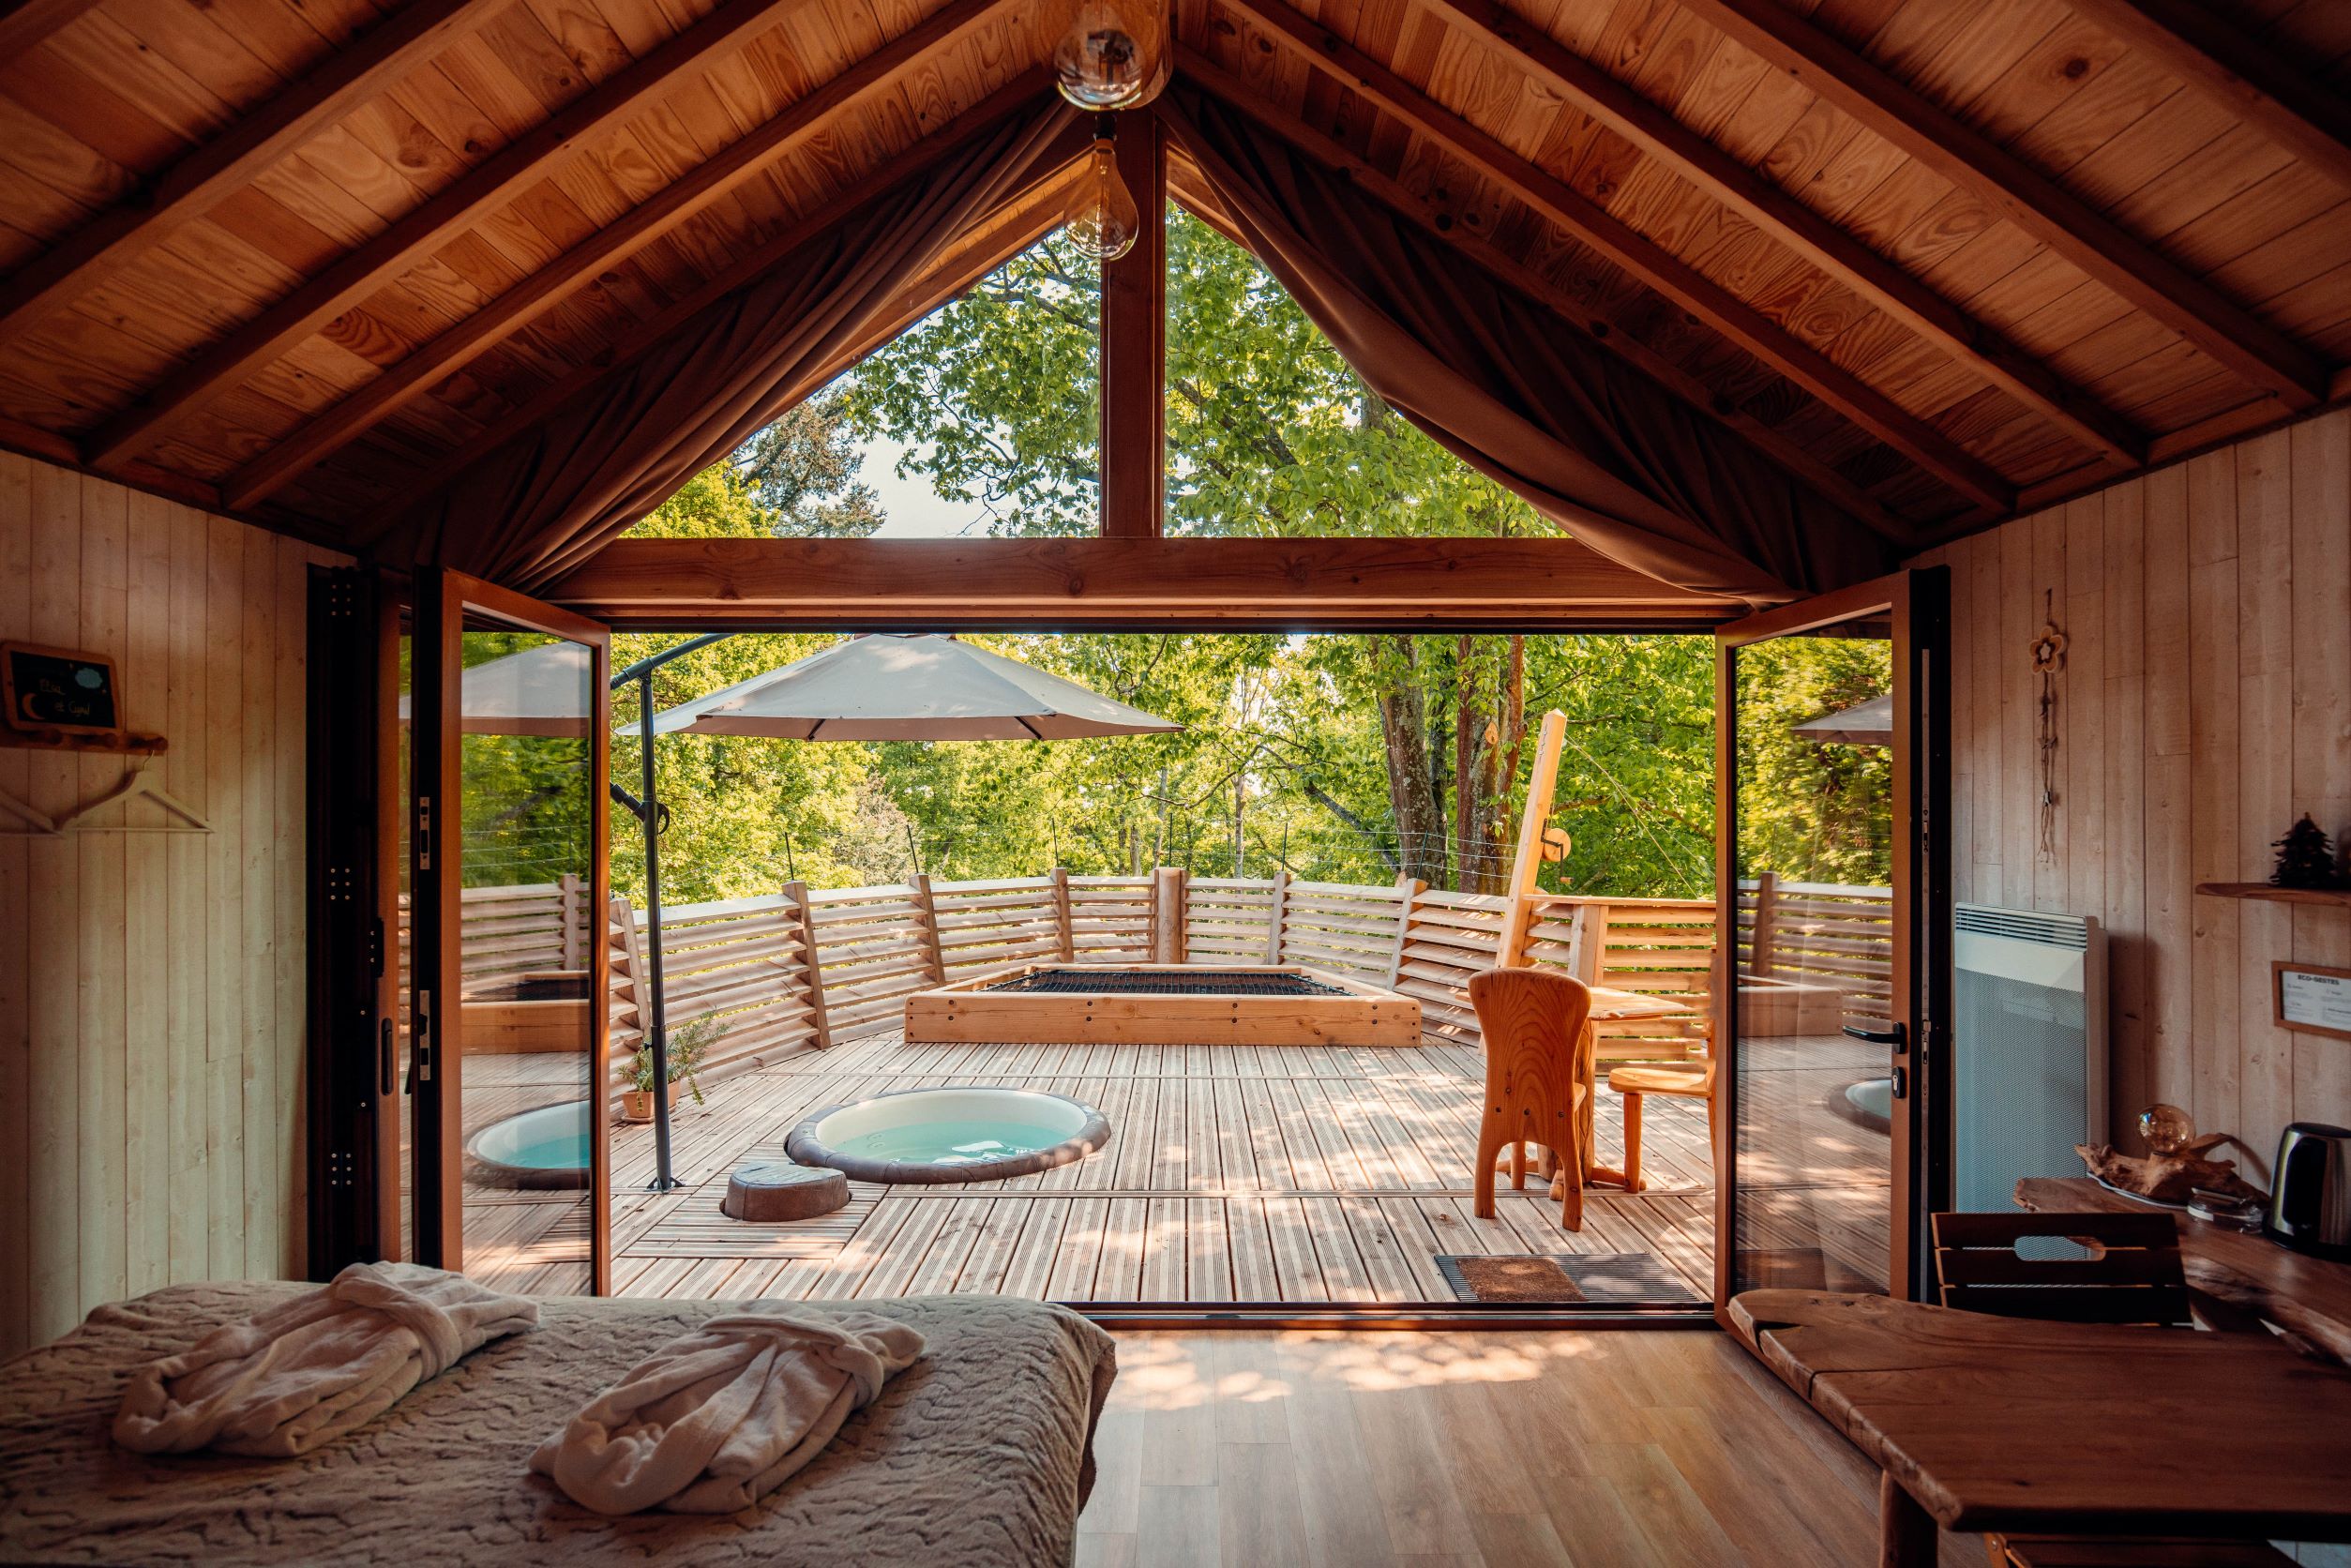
[1235, 1173]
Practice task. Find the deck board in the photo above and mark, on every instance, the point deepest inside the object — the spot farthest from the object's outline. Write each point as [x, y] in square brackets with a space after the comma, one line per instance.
[1293, 1174]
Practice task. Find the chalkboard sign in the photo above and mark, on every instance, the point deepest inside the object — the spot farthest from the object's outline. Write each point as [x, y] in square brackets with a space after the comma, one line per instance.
[59, 689]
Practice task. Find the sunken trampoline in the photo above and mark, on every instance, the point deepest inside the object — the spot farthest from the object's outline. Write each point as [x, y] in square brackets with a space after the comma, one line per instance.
[1162, 1004]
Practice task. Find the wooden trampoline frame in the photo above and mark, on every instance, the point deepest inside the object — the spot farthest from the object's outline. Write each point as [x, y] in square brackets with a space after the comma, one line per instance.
[969, 1013]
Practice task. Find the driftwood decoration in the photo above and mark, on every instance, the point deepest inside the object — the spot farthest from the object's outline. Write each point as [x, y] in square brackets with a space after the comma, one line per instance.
[2167, 1178]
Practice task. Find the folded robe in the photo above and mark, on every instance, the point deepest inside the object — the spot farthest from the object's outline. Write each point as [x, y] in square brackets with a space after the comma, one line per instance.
[285, 1381]
[717, 1419]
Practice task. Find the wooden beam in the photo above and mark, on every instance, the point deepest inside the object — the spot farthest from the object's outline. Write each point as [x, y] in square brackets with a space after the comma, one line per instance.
[1797, 461]
[26, 22]
[1638, 255]
[522, 164]
[220, 168]
[1069, 583]
[1134, 457]
[2069, 225]
[1762, 200]
[611, 246]
[1021, 90]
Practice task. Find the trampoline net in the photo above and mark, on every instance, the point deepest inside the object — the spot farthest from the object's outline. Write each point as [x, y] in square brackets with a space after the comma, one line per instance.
[1131, 982]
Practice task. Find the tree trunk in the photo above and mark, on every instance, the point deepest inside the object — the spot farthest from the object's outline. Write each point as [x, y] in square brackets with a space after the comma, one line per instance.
[1412, 802]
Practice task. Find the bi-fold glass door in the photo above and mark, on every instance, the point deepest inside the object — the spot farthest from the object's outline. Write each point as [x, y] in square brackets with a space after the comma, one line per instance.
[508, 762]
[1832, 897]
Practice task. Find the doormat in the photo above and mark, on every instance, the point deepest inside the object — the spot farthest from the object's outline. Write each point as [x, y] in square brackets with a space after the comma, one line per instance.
[1594, 1278]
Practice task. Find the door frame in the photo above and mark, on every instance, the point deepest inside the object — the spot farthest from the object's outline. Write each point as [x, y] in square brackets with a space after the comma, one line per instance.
[1917, 605]
[436, 883]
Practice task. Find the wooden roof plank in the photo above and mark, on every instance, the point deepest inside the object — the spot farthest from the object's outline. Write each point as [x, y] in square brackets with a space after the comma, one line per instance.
[521, 164]
[669, 206]
[26, 22]
[1680, 281]
[2085, 236]
[1810, 233]
[2216, 56]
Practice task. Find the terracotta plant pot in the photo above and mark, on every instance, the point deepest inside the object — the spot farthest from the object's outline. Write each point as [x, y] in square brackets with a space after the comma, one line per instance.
[636, 1105]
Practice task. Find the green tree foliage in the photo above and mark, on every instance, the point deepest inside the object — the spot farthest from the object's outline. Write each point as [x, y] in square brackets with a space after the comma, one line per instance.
[1812, 811]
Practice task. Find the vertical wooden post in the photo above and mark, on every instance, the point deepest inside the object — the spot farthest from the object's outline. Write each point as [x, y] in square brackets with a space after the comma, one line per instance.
[1273, 919]
[1411, 888]
[1135, 346]
[1591, 939]
[571, 923]
[820, 1032]
[1761, 957]
[926, 921]
[1061, 915]
[1167, 914]
[1541, 785]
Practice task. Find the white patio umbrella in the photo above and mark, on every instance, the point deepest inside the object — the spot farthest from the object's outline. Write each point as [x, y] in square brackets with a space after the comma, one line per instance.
[1870, 723]
[908, 687]
[539, 691]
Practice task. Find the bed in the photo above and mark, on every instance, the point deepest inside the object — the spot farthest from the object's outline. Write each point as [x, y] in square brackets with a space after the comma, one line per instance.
[980, 1452]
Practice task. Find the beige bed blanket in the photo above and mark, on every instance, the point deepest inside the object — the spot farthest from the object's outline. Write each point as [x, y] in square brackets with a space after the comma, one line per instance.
[980, 1452]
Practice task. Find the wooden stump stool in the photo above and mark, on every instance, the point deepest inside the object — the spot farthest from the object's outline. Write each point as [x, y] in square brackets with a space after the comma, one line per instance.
[767, 1191]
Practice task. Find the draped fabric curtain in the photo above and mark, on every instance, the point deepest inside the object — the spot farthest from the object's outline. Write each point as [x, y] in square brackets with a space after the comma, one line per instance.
[544, 501]
[1596, 446]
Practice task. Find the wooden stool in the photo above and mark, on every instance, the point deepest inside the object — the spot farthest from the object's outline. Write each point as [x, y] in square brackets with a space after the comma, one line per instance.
[769, 1191]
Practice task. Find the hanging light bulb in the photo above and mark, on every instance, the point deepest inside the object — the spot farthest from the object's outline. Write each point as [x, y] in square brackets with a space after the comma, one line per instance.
[1106, 226]
[1114, 53]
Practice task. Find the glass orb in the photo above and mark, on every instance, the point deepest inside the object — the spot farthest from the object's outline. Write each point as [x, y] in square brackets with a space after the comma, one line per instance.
[2166, 1128]
[1106, 227]
[1114, 55]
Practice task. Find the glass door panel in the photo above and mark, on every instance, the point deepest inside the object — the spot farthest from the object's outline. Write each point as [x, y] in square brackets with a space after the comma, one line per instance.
[1827, 861]
[507, 838]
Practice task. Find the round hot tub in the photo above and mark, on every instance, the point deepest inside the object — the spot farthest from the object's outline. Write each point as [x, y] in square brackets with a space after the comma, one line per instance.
[543, 1148]
[949, 1134]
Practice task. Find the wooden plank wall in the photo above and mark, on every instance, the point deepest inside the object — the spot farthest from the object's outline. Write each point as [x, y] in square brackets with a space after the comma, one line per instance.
[151, 984]
[2206, 704]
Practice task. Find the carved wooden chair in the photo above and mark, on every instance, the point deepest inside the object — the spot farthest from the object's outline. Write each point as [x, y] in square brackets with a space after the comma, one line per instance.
[1688, 1080]
[1538, 1078]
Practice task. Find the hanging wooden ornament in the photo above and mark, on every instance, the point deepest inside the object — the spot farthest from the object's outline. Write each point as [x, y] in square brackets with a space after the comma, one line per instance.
[2048, 654]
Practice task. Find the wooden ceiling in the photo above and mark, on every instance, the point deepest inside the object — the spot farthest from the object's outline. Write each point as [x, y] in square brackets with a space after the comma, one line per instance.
[1942, 259]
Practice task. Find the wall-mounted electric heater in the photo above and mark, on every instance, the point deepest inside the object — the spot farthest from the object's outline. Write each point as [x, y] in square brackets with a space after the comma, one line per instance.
[2029, 1051]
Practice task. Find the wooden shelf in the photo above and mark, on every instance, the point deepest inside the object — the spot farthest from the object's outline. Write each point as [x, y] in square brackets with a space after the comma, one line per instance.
[2338, 896]
[132, 742]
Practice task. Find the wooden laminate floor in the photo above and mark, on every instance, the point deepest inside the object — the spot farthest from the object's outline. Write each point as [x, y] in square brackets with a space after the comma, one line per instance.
[1233, 1173]
[1615, 1449]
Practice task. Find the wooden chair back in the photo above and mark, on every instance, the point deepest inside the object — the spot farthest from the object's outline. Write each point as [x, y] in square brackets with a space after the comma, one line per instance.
[2132, 1274]
[1532, 1021]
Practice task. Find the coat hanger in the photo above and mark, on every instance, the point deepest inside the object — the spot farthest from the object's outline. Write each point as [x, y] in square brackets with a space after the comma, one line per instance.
[137, 782]
[37, 824]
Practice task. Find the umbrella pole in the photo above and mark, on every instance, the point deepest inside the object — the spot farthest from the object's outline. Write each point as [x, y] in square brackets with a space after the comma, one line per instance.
[658, 1023]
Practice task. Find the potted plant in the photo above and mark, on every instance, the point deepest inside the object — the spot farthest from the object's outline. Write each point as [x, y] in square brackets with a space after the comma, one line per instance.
[688, 1044]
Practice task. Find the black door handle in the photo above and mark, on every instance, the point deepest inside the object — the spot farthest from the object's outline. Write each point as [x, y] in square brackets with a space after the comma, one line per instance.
[391, 1084]
[1893, 1036]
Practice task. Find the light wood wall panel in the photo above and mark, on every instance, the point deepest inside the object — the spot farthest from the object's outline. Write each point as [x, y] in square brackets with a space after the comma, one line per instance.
[2206, 704]
[151, 984]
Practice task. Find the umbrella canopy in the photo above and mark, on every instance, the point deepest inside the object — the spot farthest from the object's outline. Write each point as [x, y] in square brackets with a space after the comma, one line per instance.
[1870, 723]
[908, 687]
[545, 690]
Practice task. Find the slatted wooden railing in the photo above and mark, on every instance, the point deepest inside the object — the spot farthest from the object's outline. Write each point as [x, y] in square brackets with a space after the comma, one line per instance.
[1823, 933]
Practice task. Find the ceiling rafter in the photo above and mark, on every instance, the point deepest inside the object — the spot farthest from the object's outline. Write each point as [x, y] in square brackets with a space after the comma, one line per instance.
[223, 166]
[2085, 237]
[522, 164]
[1640, 256]
[1023, 90]
[798, 123]
[24, 24]
[2215, 56]
[1793, 457]
[1786, 219]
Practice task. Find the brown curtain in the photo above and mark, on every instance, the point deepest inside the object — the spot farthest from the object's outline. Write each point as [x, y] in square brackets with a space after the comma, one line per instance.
[1593, 444]
[544, 501]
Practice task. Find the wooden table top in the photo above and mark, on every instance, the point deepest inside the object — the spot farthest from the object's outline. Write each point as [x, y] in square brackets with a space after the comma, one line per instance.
[2310, 1296]
[2009, 1424]
[1614, 1006]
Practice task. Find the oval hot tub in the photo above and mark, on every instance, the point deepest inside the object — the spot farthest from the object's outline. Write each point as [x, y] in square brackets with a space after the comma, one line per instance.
[543, 1148]
[949, 1134]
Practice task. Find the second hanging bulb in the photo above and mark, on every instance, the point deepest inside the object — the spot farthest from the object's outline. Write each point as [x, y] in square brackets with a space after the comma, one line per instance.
[1107, 222]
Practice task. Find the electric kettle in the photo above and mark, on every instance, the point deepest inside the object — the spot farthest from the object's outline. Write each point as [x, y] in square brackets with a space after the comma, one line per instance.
[2310, 1197]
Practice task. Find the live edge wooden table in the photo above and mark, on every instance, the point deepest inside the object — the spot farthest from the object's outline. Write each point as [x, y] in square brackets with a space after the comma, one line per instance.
[1984, 1424]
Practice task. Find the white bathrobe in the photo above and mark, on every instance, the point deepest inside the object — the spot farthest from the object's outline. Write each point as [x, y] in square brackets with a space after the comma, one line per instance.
[717, 1419]
[285, 1381]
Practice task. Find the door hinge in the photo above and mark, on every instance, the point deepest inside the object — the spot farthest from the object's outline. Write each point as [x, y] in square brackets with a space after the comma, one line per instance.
[424, 832]
[420, 1041]
[375, 947]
